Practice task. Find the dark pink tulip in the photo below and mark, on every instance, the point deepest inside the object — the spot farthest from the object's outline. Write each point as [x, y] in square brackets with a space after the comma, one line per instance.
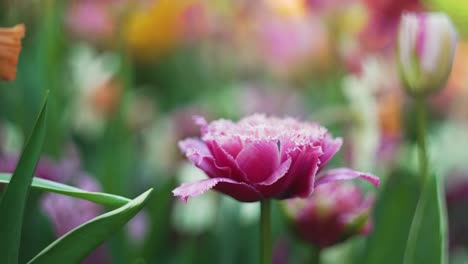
[262, 157]
[334, 213]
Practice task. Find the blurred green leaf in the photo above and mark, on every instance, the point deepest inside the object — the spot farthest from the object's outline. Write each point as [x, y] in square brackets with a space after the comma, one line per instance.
[55, 187]
[394, 212]
[14, 198]
[78, 243]
[427, 237]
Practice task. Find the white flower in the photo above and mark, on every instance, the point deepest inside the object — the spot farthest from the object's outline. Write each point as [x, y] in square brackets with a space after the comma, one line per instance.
[426, 48]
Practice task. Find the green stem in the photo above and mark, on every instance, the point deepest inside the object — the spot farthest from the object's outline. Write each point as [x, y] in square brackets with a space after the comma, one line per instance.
[265, 232]
[316, 255]
[421, 123]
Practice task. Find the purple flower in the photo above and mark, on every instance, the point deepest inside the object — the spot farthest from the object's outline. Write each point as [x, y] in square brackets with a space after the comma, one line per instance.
[262, 157]
[137, 228]
[334, 213]
[66, 213]
[60, 171]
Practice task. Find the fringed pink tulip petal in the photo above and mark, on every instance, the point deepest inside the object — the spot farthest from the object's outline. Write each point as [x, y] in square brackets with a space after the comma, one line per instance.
[274, 184]
[299, 181]
[224, 159]
[259, 160]
[330, 147]
[345, 174]
[198, 153]
[238, 190]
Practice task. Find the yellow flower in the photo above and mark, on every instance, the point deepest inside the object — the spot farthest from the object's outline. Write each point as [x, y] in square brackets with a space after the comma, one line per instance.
[288, 8]
[157, 30]
[10, 47]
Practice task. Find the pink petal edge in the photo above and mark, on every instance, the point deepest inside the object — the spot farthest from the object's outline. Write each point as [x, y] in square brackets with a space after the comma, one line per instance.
[342, 174]
[192, 189]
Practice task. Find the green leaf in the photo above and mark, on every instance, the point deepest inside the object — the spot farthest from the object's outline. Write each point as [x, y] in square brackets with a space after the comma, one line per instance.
[14, 198]
[393, 214]
[55, 187]
[78, 243]
[427, 238]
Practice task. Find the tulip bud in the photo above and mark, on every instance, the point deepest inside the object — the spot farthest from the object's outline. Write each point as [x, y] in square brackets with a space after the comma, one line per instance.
[426, 47]
[335, 212]
[10, 47]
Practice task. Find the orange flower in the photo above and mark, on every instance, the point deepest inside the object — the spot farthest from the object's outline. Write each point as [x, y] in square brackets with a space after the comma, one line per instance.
[390, 114]
[10, 47]
[106, 97]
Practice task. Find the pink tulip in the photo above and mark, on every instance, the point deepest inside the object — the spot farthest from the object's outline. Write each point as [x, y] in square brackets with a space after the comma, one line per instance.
[91, 20]
[262, 157]
[426, 49]
[334, 213]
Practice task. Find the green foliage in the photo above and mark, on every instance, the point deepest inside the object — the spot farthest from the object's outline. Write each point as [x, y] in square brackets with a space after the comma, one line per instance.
[15, 196]
[409, 223]
[55, 187]
[393, 216]
[78, 243]
[427, 238]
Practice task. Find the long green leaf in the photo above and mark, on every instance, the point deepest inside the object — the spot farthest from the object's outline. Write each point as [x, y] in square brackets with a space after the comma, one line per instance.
[393, 212]
[78, 243]
[55, 187]
[427, 237]
[14, 198]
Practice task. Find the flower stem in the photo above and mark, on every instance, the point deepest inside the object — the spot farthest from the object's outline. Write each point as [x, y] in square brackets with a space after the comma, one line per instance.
[316, 255]
[421, 123]
[265, 232]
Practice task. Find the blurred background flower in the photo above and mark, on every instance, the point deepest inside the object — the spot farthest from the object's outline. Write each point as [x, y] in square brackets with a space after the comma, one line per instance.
[10, 47]
[126, 78]
[334, 213]
[66, 213]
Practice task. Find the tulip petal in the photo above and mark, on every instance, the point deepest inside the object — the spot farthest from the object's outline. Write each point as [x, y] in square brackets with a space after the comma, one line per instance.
[258, 160]
[274, 184]
[278, 173]
[345, 174]
[198, 153]
[330, 147]
[238, 190]
[299, 181]
[359, 221]
[225, 160]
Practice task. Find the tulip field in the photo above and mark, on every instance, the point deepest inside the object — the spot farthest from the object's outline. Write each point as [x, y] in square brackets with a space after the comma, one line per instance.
[234, 131]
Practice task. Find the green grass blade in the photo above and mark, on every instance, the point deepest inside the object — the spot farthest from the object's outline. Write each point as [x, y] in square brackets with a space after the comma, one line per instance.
[394, 211]
[78, 243]
[14, 198]
[427, 238]
[55, 187]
